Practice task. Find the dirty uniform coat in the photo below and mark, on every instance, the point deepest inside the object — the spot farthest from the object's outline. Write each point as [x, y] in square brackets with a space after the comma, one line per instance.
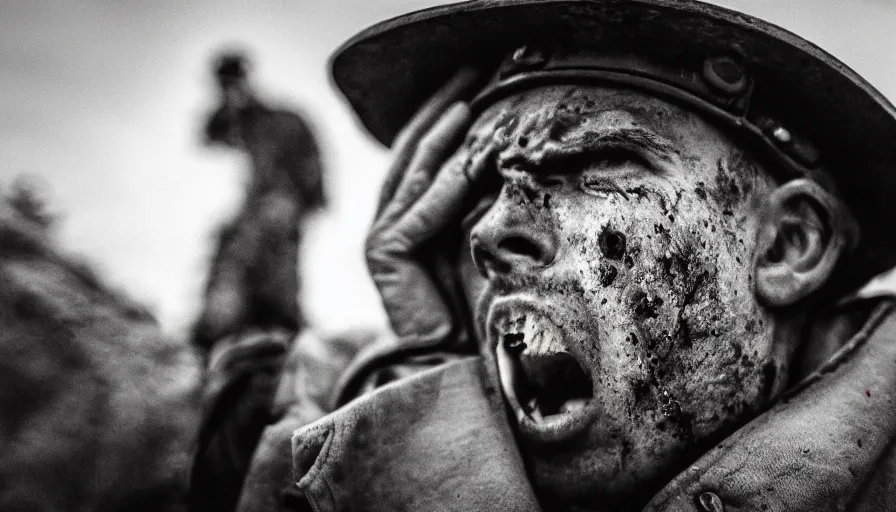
[440, 440]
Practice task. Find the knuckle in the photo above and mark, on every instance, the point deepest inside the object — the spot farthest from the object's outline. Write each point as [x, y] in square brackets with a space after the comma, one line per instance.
[377, 251]
[378, 267]
[373, 265]
[431, 142]
[372, 249]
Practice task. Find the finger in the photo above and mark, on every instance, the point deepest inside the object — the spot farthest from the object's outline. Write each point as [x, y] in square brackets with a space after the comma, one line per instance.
[422, 310]
[414, 303]
[431, 154]
[440, 204]
[416, 128]
[430, 112]
[417, 312]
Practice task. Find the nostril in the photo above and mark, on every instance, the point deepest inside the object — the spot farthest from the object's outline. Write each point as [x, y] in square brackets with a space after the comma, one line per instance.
[485, 260]
[520, 246]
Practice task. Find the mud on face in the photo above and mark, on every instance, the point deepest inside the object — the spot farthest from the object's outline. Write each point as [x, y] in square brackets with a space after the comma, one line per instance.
[650, 214]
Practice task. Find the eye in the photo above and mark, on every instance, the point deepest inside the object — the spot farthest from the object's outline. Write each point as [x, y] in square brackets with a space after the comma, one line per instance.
[616, 157]
[608, 169]
[550, 181]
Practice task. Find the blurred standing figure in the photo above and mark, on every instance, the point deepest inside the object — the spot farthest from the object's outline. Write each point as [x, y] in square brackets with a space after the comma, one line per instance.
[253, 280]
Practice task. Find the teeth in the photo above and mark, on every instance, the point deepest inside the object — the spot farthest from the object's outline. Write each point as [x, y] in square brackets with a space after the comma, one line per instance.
[533, 410]
[574, 404]
[514, 343]
[529, 335]
[527, 342]
[507, 374]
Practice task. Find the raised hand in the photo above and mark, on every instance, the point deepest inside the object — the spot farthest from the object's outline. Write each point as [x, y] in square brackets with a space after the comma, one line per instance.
[424, 192]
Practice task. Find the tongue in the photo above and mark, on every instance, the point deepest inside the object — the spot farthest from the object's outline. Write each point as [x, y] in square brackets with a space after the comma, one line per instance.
[572, 405]
[554, 384]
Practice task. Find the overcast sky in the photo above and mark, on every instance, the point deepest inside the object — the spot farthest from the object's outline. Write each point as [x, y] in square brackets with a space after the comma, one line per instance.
[103, 100]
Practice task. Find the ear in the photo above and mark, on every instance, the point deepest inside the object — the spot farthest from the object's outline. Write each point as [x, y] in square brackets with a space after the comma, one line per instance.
[802, 234]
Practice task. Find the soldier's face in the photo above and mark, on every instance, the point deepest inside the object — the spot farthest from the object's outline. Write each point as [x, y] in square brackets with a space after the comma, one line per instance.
[619, 311]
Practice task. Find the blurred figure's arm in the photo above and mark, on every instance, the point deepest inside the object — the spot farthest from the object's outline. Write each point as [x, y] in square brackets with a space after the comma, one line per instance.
[243, 372]
[301, 158]
[221, 128]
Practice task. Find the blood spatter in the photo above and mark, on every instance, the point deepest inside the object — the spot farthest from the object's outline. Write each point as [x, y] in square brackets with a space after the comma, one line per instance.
[671, 409]
[646, 307]
[641, 390]
[727, 192]
[700, 190]
[638, 191]
[612, 244]
[607, 274]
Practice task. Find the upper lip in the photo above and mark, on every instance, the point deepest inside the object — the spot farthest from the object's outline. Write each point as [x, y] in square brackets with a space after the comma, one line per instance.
[520, 327]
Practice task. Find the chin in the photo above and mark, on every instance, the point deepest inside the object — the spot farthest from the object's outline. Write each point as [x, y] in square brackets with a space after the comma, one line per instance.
[595, 426]
[603, 470]
[577, 451]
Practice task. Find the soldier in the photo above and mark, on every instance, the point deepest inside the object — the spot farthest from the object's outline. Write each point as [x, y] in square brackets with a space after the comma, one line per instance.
[667, 206]
[251, 314]
[253, 282]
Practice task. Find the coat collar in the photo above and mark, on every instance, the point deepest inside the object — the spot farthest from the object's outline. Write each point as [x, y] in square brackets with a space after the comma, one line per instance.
[821, 447]
[420, 443]
[416, 444]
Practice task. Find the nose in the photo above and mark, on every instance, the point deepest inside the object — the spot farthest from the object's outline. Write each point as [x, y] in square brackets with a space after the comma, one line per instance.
[513, 237]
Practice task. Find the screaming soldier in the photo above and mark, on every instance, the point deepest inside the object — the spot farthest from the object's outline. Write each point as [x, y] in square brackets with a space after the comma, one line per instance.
[639, 226]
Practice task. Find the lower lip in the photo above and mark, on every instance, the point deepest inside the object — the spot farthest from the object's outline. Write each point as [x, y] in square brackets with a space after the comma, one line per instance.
[551, 429]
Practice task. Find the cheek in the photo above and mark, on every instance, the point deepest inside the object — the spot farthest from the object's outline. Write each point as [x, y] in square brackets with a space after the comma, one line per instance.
[667, 284]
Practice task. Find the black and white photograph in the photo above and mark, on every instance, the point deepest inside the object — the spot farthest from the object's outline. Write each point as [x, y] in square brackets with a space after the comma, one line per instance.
[418, 255]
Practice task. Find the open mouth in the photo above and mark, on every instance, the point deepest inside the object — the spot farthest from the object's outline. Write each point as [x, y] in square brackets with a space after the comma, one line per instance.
[542, 379]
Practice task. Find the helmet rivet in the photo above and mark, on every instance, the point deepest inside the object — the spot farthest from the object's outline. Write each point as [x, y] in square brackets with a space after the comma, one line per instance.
[725, 75]
[522, 59]
[782, 135]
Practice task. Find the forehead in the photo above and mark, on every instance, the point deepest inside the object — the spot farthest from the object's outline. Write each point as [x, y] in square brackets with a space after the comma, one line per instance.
[560, 112]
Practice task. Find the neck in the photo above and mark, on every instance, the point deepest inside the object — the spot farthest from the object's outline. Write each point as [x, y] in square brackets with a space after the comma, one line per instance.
[825, 332]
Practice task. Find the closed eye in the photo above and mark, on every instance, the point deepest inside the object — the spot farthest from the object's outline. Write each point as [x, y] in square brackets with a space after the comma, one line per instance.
[606, 159]
[609, 167]
[550, 181]
[614, 157]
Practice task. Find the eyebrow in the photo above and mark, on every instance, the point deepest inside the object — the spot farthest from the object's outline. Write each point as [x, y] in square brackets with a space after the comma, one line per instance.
[584, 148]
